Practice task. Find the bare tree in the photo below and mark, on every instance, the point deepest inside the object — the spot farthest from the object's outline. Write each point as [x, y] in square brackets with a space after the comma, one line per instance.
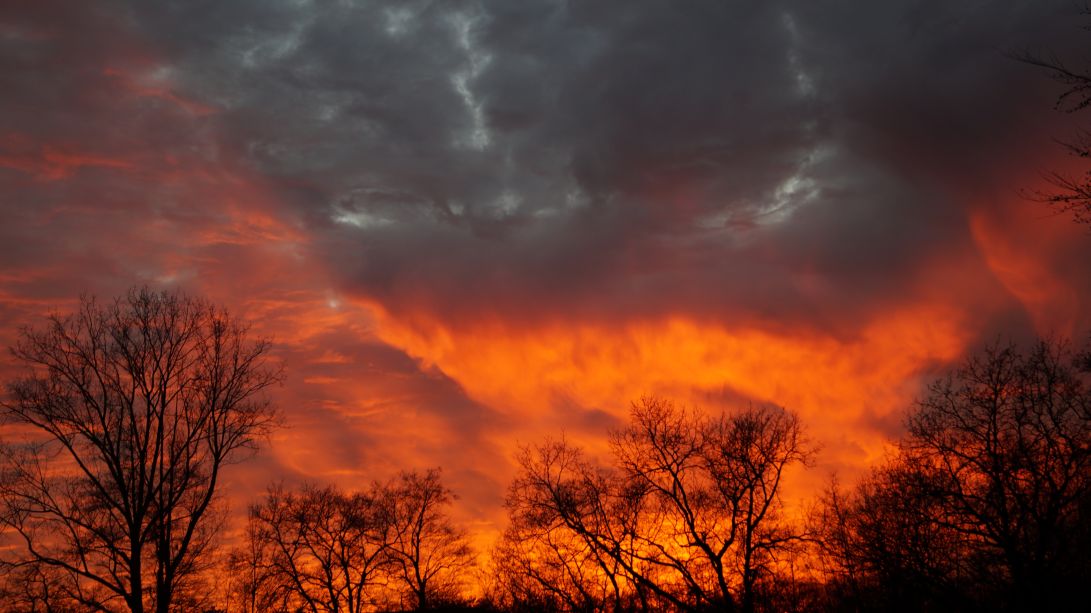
[1005, 443]
[713, 493]
[430, 552]
[252, 581]
[319, 550]
[547, 570]
[1071, 194]
[327, 551]
[883, 548]
[118, 433]
[570, 533]
[689, 516]
[985, 505]
[35, 588]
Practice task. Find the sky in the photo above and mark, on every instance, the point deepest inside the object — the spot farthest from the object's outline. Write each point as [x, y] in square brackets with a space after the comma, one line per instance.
[472, 225]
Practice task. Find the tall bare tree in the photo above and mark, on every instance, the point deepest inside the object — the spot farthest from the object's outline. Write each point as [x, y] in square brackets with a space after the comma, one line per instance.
[1005, 442]
[570, 534]
[688, 516]
[986, 503]
[431, 553]
[713, 493]
[324, 550]
[1070, 194]
[119, 431]
[319, 550]
[882, 547]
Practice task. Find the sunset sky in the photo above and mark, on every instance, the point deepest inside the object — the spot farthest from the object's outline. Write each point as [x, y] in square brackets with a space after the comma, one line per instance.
[473, 225]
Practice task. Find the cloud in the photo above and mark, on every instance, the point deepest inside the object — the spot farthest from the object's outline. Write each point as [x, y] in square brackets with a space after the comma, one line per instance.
[545, 157]
[471, 223]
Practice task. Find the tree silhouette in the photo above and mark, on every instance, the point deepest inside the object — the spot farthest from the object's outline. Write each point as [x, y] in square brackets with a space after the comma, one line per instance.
[1005, 443]
[713, 486]
[122, 424]
[688, 516]
[252, 572]
[325, 550]
[985, 504]
[316, 550]
[882, 548]
[429, 551]
[569, 536]
[1070, 194]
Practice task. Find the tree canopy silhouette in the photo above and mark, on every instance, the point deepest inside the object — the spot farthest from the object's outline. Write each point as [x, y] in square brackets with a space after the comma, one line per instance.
[389, 546]
[119, 431]
[1070, 194]
[687, 516]
[986, 502]
[318, 549]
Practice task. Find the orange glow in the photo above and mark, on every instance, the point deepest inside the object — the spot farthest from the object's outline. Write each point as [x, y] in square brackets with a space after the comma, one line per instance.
[1022, 251]
[53, 163]
[844, 389]
[458, 251]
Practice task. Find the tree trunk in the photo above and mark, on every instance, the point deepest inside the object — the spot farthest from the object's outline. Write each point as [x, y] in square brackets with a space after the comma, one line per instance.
[136, 585]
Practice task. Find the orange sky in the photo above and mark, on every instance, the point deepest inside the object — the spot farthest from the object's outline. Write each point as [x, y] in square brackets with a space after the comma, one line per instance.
[451, 266]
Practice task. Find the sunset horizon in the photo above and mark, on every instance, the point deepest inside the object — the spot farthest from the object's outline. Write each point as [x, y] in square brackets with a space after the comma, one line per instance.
[470, 230]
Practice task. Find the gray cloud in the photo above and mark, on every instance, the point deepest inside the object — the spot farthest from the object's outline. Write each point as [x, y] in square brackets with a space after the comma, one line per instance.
[537, 156]
[781, 164]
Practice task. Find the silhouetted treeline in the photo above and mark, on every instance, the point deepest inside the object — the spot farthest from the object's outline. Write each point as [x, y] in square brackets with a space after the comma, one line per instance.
[986, 504]
[687, 516]
[391, 546]
[128, 412]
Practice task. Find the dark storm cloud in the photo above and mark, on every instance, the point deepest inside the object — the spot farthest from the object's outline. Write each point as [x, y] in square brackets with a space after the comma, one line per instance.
[526, 157]
[532, 182]
[118, 166]
[92, 145]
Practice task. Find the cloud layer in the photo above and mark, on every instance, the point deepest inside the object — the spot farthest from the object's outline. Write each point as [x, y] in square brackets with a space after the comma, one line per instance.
[470, 224]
